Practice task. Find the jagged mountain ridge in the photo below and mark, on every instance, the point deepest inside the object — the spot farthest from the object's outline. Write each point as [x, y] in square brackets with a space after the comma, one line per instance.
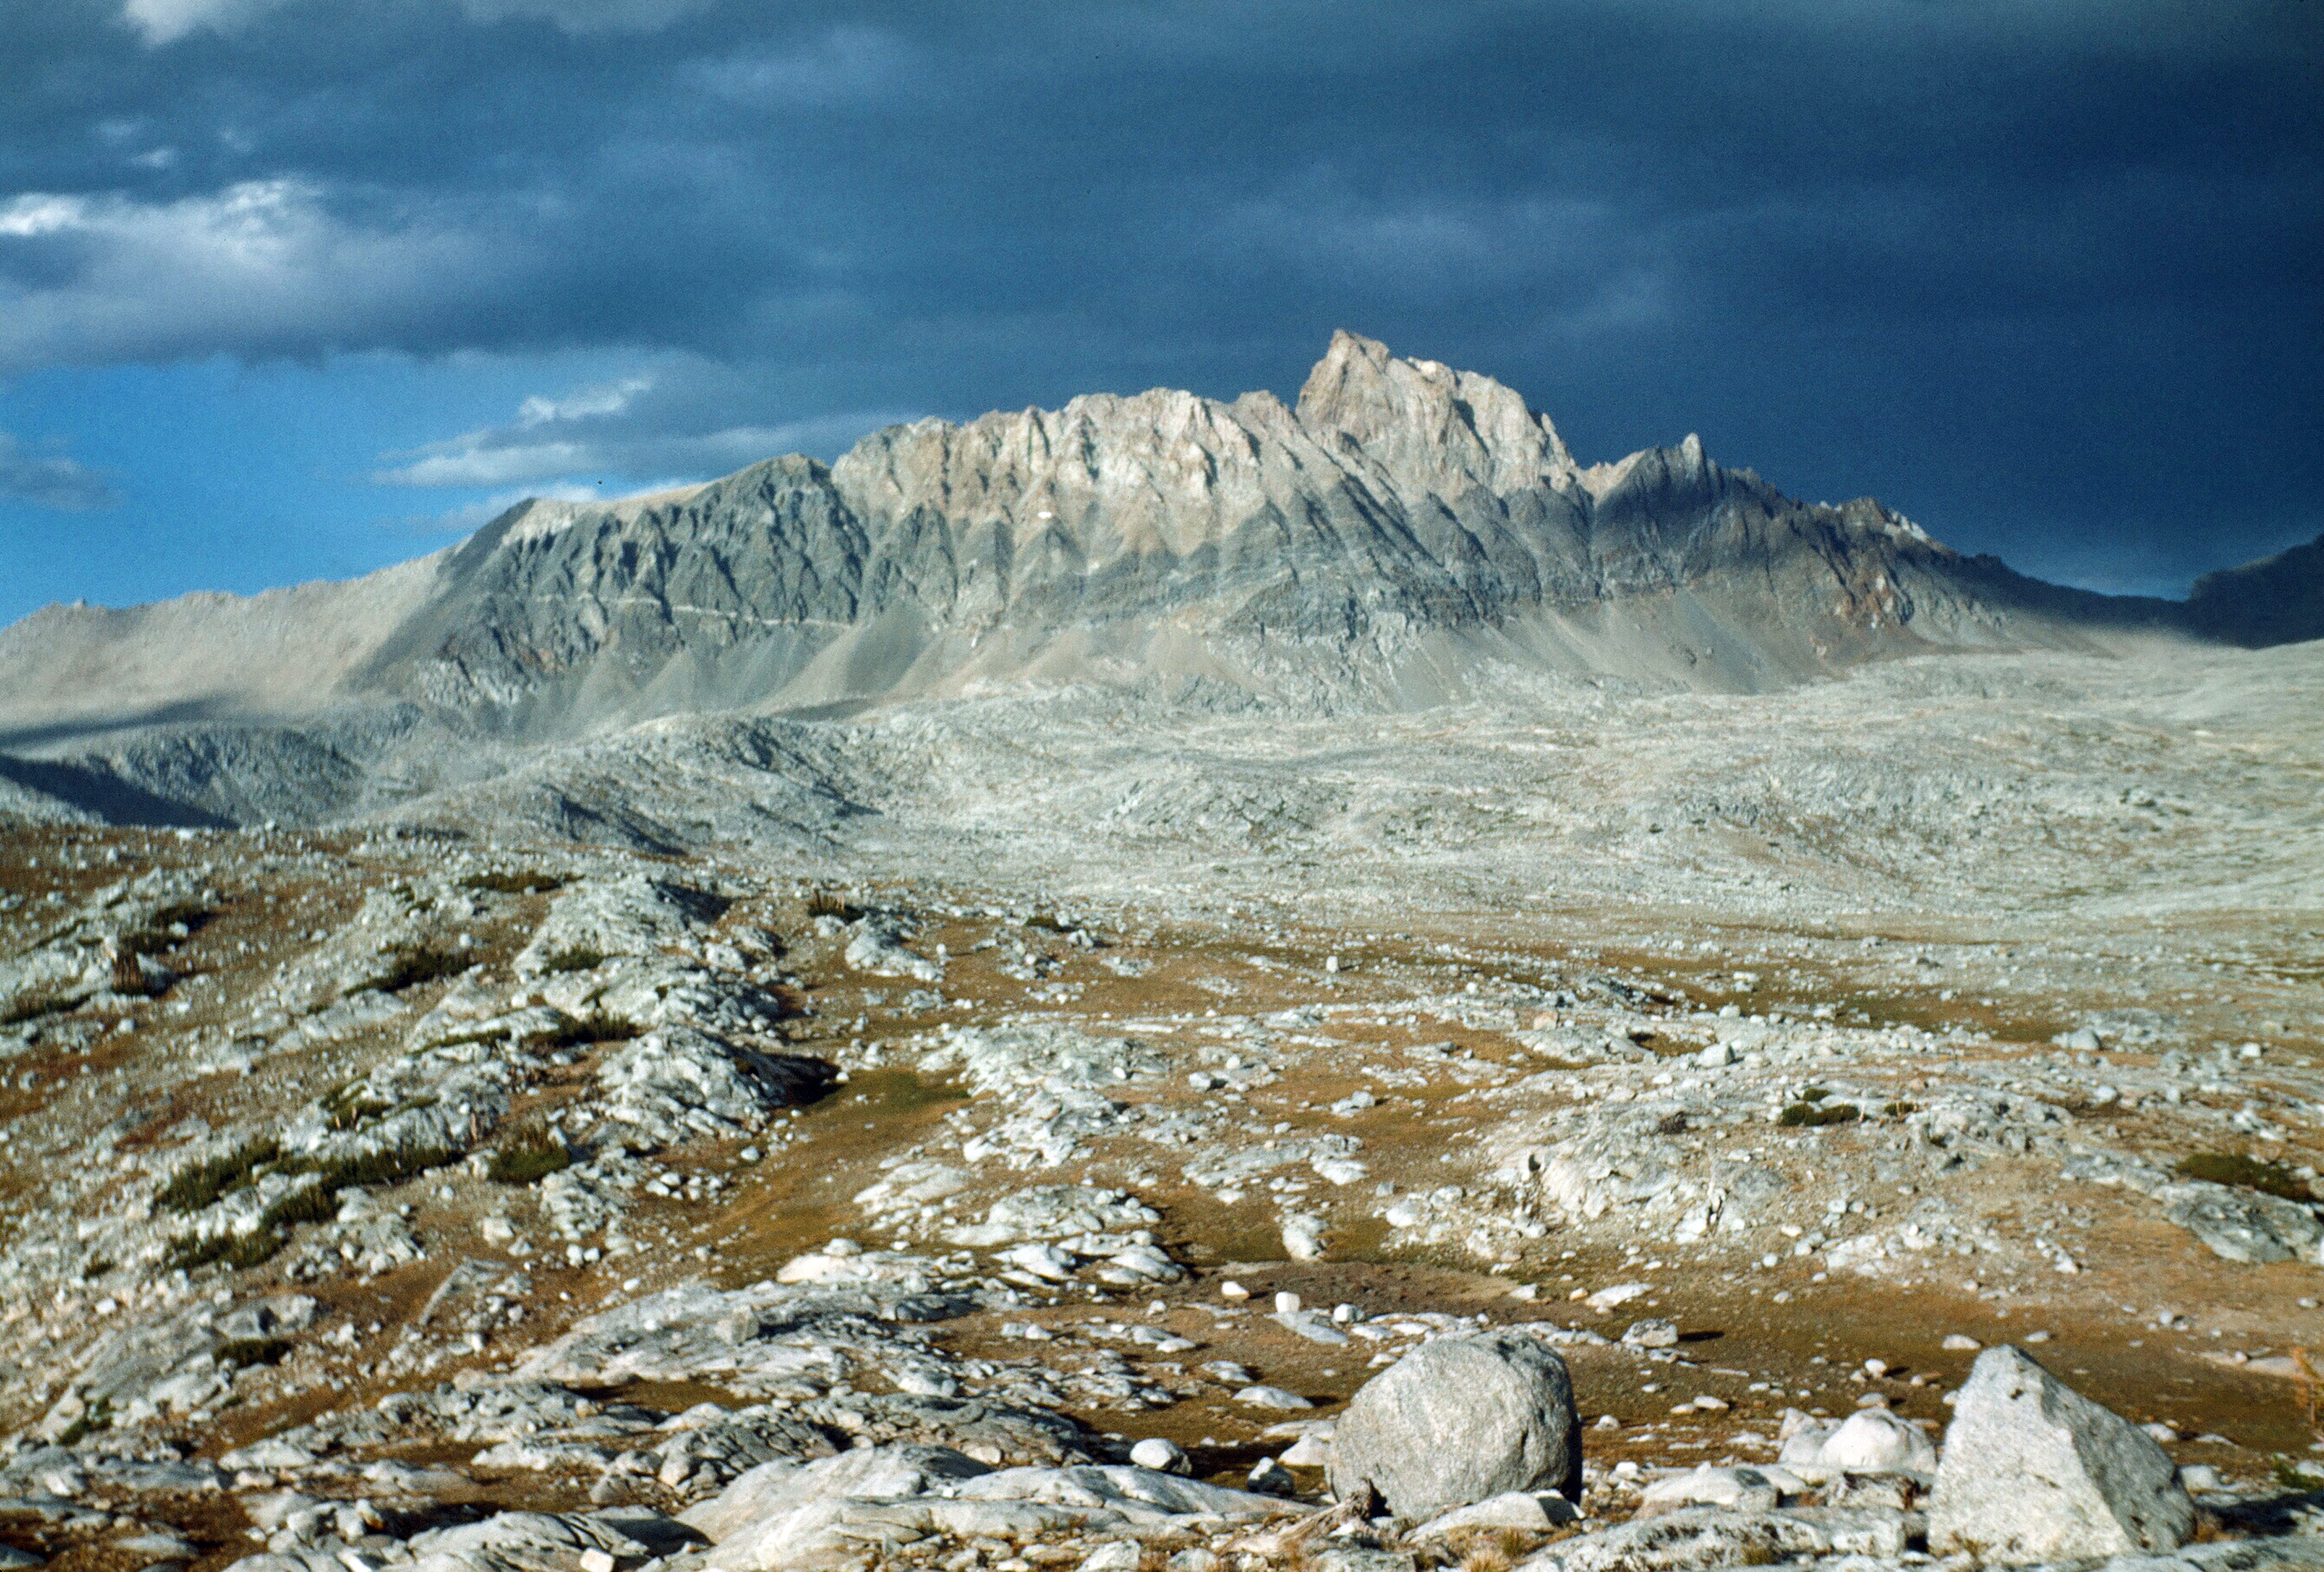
[1401, 529]
[1399, 498]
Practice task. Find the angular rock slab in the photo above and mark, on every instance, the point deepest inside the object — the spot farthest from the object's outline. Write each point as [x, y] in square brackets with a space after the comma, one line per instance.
[1458, 1420]
[2032, 1471]
[2242, 1226]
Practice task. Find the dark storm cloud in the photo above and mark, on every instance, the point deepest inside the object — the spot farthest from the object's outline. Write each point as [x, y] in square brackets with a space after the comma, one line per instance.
[2048, 278]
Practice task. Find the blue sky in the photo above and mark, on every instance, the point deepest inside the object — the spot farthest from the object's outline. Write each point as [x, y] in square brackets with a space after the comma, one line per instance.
[297, 288]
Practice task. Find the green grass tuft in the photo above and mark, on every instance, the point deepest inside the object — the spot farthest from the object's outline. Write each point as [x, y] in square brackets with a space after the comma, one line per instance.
[33, 1007]
[193, 1188]
[314, 1204]
[824, 904]
[592, 1028]
[526, 1158]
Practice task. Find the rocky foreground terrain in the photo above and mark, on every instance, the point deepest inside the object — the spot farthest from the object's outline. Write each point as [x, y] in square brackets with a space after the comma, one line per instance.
[1693, 1193]
[1168, 984]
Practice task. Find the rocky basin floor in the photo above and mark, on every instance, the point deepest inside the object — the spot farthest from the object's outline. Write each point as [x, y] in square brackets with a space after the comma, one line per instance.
[407, 1198]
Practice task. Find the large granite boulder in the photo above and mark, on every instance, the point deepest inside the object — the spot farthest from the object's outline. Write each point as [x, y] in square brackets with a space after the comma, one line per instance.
[2032, 1471]
[1458, 1420]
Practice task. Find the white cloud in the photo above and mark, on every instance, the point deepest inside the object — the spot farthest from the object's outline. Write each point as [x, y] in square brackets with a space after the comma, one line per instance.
[264, 267]
[50, 479]
[609, 399]
[588, 15]
[502, 456]
[657, 423]
[469, 517]
[849, 63]
[167, 20]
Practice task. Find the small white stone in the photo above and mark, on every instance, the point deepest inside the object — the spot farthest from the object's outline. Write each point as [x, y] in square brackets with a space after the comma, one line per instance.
[1271, 1397]
[1160, 1453]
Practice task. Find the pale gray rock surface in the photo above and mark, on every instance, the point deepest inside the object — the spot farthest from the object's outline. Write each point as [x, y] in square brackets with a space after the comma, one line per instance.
[749, 1338]
[1869, 1441]
[676, 1083]
[1457, 1420]
[634, 914]
[1741, 1489]
[1055, 1212]
[1514, 1509]
[1703, 1537]
[878, 948]
[522, 1541]
[2243, 1225]
[2032, 1471]
[772, 1490]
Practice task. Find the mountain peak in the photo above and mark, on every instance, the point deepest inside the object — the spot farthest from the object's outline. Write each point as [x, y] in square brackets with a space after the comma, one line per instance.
[1406, 530]
[1422, 418]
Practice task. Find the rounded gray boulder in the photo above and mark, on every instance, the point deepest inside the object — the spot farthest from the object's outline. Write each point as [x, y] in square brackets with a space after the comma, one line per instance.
[1460, 1420]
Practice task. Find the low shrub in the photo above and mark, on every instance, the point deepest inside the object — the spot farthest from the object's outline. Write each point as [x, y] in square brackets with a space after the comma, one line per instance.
[244, 1352]
[238, 1252]
[2249, 1173]
[516, 884]
[592, 1028]
[388, 1166]
[409, 968]
[1816, 1116]
[579, 959]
